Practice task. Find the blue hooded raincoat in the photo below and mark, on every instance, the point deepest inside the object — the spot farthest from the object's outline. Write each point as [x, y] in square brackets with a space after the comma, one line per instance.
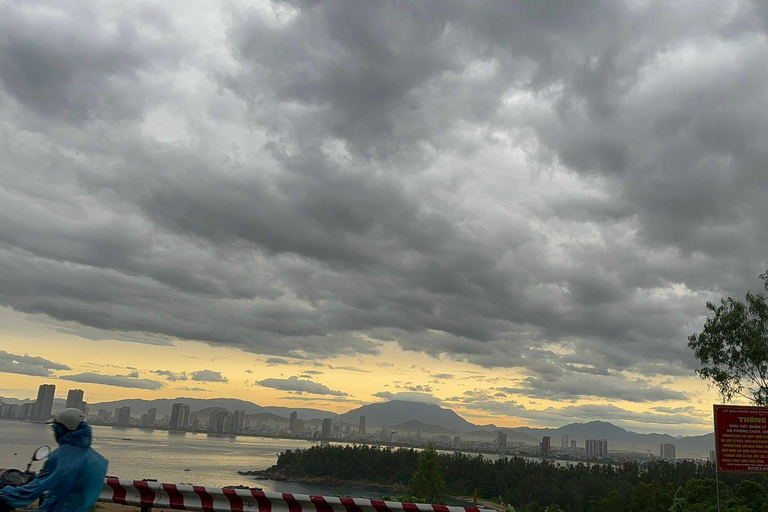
[73, 476]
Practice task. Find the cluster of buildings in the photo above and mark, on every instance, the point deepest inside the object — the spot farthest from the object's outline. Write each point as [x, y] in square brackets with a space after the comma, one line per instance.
[221, 421]
[42, 408]
[594, 448]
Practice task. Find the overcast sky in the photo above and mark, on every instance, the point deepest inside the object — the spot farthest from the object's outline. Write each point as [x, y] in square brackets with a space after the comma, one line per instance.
[534, 200]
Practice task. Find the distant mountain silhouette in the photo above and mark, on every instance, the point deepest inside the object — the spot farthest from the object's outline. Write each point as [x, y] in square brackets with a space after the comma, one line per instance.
[490, 434]
[400, 411]
[165, 405]
[624, 440]
[412, 426]
[431, 419]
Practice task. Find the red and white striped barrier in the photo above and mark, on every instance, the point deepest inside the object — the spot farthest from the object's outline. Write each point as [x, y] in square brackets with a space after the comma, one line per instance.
[211, 499]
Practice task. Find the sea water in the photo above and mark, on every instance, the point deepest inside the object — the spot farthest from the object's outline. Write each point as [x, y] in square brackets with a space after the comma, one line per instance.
[174, 457]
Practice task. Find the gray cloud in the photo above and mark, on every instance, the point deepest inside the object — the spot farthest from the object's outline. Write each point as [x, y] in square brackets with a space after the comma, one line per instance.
[409, 396]
[28, 365]
[207, 376]
[687, 420]
[121, 381]
[468, 180]
[171, 376]
[299, 386]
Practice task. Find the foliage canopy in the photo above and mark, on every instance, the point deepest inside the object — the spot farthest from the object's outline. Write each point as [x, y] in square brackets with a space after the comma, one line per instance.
[529, 486]
[733, 348]
[427, 482]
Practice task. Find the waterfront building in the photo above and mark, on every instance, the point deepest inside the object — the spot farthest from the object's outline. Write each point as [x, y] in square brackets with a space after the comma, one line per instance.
[596, 447]
[326, 432]
[179, 416]
[44, 402]
[546, 446]
[292, 421]
[216, 421]
[564, 442]
[238, 421]
[25, 410]
[457, 443]
[75, 399]
[123, 416]
[361, 426]
[501, 441]
[152, 417]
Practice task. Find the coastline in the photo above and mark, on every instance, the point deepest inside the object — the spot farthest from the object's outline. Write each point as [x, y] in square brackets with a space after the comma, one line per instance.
[278, 476]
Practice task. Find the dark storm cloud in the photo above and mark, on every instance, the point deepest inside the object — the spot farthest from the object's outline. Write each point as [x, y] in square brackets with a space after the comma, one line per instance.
[467, 179]
[67, 64]
[28, 365]
[121, 381]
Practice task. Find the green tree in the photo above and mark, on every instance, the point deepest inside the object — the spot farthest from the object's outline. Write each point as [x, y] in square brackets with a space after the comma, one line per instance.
[733, 348]
[427, 482]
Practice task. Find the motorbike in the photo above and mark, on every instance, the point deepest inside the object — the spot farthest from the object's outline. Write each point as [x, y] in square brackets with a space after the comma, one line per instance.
[16, 477]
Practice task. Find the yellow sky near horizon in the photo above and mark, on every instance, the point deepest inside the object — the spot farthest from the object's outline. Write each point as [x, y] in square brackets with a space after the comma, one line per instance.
[470, 390]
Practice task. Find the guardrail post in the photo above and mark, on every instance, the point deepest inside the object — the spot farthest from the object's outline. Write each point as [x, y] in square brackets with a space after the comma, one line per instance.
[147, 508]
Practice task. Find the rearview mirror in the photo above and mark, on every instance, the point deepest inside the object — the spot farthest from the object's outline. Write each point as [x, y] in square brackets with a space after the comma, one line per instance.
[41, 453]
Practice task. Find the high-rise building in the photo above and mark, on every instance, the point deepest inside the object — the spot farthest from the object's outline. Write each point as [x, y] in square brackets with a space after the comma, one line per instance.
[123, 416]
[667, 451]
[216, 422]
[457, 443]
[546, 446]
[596, 447]
[44, 402]
[326, 432]
[179, 416]
[564, 443]
[361, 426]
[573, 444]
[238, 422]
[501, 441]
[75, 399]
[713, 456]
[152, 417]
[292, 421]
[25, 410]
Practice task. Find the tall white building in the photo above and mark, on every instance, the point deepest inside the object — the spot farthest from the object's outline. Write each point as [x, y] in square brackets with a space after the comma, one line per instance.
[596, 447]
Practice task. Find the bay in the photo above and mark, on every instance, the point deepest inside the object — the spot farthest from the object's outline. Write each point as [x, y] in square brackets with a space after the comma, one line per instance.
[174, 457]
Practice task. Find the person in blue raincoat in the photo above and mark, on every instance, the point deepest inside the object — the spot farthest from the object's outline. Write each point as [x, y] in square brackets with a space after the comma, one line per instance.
[73, 475]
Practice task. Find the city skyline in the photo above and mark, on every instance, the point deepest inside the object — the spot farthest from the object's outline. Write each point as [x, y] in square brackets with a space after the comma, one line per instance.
[220, 420]
[517, 210]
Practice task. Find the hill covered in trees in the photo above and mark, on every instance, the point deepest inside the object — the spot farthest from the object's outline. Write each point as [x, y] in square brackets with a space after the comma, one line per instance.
[531, 486]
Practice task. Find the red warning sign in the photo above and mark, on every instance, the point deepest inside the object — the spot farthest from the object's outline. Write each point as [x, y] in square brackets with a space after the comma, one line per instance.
[741, 438]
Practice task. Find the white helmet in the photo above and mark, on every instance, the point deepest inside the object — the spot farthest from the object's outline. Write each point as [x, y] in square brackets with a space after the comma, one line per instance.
[70, 418]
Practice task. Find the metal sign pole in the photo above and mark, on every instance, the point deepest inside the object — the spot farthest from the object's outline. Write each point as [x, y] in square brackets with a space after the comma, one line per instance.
[717, 484]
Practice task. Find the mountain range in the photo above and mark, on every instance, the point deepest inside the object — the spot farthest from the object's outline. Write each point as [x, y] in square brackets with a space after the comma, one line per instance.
[410, 417]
